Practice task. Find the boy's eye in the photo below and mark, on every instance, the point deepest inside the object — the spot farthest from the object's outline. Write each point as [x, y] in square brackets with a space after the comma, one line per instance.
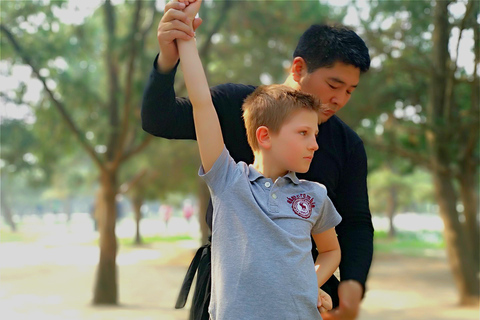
[303, 133]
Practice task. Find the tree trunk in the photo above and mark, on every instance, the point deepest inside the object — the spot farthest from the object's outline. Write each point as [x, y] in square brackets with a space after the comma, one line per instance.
[137, 206]
[6, 211]
[440, 117]
[391, 209]
[106, 281]
[459, 249]
[469, 196]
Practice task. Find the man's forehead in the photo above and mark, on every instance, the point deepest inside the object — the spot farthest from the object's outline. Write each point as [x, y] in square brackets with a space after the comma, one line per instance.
[339, 80]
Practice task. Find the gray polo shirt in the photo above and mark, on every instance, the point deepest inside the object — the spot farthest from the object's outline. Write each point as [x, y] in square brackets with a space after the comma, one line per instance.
[262, 267]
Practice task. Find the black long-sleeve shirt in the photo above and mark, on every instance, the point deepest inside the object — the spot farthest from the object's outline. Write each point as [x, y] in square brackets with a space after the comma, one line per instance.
[340, 163]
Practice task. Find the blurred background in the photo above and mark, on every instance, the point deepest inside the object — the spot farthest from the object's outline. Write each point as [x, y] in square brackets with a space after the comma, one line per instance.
[100, 220]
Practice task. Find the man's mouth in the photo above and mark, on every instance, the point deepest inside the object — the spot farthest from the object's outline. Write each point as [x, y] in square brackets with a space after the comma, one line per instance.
[328, 112]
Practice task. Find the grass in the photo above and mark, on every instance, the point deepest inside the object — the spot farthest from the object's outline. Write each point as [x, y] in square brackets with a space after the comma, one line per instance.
[154, 239]
[410, 243]
[406, 243]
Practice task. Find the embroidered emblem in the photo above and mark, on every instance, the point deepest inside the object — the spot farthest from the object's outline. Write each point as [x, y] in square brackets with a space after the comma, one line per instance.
[302, 205]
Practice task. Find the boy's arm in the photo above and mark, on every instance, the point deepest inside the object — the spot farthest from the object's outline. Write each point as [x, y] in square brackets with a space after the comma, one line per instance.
[328, 255]
[207, 125]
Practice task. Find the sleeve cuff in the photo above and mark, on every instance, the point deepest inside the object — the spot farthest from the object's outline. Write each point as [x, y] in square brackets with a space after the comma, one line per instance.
[172, 72]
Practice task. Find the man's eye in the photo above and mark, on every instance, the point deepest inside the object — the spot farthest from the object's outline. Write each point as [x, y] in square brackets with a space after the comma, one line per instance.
[332, 86]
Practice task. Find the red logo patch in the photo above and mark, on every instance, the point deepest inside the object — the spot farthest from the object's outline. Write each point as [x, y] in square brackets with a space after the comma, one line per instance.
[302, 205]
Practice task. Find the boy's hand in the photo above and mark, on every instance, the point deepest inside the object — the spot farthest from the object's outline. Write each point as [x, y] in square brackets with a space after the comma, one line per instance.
[192, 8]
[173, 25]
[324, 301]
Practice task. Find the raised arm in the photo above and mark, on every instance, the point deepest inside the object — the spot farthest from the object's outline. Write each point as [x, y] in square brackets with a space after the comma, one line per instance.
[207, 125]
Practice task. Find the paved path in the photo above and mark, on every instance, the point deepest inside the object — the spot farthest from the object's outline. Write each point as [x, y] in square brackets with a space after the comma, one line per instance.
[53, 282]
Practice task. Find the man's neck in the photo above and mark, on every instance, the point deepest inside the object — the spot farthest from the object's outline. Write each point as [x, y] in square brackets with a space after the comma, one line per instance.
[291, 83]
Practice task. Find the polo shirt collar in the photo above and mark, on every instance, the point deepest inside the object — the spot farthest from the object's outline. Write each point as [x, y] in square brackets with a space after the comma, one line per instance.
[253, 175]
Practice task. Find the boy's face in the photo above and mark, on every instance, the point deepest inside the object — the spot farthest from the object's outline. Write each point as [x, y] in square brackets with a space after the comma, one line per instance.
[294, 145]
[333, 86]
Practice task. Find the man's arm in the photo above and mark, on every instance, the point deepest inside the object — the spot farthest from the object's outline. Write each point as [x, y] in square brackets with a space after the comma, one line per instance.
[175, 24]
[162, 113]
[355, 235]
[207, 125]
[355, 232]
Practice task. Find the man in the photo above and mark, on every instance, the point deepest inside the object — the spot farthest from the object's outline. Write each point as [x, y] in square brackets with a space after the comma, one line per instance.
[327, 63]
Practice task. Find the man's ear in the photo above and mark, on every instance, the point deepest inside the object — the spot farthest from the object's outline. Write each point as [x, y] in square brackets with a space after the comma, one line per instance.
[263, 137]
[299, 69]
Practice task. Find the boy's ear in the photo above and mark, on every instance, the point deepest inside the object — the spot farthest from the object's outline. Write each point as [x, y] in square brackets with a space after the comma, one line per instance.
[263, 137]
[299, 68]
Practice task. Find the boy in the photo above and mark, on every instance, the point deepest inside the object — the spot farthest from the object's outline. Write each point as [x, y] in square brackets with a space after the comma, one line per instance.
[263, 214]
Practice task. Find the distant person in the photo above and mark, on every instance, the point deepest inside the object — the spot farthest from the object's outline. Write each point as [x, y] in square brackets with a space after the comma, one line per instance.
[264, 209]
[187, 211]
[327, 63]
[166, 214]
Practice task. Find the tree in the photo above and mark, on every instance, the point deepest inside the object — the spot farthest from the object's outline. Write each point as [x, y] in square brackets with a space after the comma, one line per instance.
[100, 120]
[421, 104]
[165, 167]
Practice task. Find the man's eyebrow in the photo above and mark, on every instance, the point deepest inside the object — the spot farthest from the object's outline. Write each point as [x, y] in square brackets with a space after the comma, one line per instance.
[337, 80]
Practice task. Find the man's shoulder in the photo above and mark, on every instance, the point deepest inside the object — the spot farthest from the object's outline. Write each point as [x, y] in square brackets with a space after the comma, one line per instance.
[336, 123]
[340, 134]
[233, 89]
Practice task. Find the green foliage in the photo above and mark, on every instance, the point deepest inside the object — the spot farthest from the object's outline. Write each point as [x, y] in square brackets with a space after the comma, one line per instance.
[414, 190]
[410, 243]
[258, 37]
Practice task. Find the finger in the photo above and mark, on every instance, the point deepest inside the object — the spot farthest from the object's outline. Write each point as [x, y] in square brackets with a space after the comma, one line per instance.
[322, 310]
[332, 315]
[174, 5]
[176, 34]
[174, 14]
[196, 23]
[327, 303]
[176, 25]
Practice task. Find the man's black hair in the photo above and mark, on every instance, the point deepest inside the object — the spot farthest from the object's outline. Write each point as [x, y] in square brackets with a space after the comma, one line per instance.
[323, 45]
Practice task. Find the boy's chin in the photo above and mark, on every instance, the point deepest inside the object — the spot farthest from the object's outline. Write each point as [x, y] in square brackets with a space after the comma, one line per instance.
[303, 170]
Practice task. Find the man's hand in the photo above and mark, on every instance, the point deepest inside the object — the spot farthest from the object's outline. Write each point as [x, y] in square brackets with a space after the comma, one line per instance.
[350, 296]
[324, 301]
[174, 24]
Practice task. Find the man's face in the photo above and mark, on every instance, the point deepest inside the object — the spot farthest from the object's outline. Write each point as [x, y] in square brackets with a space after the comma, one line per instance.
[333, 86]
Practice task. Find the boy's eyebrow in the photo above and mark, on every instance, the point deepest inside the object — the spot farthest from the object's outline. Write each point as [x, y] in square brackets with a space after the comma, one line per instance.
[337, 80]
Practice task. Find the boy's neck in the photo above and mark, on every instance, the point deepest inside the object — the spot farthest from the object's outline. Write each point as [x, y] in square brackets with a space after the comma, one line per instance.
[267, 168]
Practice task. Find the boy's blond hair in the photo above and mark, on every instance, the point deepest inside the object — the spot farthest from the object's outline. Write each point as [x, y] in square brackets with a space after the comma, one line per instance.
[270, 106]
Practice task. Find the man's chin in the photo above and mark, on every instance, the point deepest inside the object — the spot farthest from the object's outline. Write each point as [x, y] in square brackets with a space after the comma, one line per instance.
[324, 117]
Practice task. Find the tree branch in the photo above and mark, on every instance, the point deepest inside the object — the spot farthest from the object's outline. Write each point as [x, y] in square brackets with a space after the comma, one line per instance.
[414, 157]
[58, 104]
[205, 47]
[111, 62]
[128, 153]
[129, 82]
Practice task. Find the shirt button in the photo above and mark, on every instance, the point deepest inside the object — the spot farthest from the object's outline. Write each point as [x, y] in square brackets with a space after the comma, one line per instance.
[274, 196]
[267, 184]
